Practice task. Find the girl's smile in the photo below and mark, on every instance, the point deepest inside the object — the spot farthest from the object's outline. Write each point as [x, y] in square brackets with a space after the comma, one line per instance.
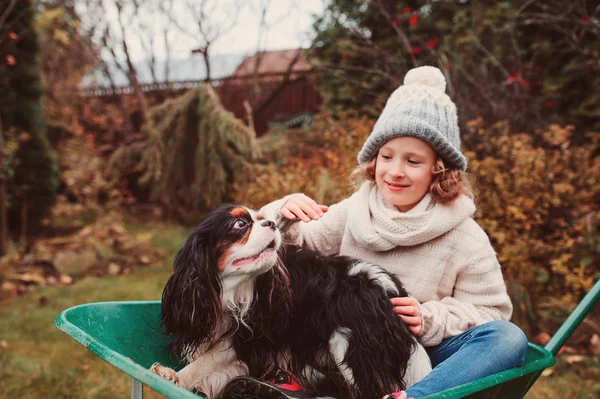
[396, 186]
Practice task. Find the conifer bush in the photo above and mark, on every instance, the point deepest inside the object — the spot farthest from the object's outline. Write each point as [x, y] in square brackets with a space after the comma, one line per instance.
[191, 154]
[31, 168]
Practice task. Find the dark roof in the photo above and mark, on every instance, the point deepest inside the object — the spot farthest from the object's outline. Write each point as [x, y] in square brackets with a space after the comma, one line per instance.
[274, 62]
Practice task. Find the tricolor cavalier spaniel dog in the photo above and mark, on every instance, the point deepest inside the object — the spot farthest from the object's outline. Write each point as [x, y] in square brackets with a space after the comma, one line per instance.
[241, 303]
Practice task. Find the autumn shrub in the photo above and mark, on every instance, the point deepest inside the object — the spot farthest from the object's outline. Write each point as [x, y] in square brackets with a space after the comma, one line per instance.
[538, 199]
[85, 191]
[316, 161]
[81, 129]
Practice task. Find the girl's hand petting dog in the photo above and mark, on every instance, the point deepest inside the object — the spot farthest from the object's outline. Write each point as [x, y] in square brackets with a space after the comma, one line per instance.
[409, 310]
[300, 206]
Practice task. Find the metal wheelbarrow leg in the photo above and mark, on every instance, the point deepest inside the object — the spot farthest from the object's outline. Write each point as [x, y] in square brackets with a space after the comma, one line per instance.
[137, 389]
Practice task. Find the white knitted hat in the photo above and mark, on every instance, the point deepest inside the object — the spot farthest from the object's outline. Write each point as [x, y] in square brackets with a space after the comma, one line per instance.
[420, 108]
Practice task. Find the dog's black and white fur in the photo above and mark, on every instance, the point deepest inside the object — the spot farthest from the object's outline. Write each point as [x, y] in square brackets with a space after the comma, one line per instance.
[241, 303]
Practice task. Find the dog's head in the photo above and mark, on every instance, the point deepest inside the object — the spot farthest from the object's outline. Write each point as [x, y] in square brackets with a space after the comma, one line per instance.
[214, 272]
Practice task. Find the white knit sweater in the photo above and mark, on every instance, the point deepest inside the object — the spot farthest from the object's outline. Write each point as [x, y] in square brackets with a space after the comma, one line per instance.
[441, 255]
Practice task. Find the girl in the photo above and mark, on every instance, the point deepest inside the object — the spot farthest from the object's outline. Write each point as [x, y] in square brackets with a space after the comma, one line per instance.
[413, 216]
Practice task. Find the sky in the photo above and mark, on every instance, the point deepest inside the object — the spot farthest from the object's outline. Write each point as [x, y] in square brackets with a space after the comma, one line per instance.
[290, 24]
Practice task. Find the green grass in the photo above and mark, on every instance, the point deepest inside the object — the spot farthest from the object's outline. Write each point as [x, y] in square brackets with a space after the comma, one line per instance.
[42, 362]
[565, 383]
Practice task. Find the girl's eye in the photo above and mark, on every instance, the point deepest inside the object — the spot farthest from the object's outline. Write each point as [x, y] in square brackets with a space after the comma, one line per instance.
[239, 224]
[387, 157]
[413, 162]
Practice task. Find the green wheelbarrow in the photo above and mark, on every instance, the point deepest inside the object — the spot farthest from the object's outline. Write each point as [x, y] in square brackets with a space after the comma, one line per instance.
[127, 335]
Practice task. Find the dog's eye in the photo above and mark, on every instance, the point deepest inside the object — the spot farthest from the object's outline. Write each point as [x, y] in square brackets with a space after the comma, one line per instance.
[240, 224]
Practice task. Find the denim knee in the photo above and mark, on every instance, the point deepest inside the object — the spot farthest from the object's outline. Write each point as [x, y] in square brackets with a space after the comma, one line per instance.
[507, 339]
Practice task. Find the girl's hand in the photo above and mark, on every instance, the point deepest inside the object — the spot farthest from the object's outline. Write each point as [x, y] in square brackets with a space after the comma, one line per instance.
[302, 207]
[408, 309]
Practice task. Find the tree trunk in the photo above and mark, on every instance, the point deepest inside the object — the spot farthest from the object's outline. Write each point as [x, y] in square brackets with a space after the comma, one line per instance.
[207, 63]
[137, 88]
[250, 116]
[3, 214]
[131, 71]
[24, 221]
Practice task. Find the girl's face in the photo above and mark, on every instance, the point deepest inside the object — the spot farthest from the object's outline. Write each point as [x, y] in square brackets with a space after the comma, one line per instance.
[404, 171]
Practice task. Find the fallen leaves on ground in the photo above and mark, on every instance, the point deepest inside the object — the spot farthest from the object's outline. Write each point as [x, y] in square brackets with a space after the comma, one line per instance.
[104, 247]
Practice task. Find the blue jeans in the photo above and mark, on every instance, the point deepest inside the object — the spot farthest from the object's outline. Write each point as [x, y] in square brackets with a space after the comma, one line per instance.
[481, 351]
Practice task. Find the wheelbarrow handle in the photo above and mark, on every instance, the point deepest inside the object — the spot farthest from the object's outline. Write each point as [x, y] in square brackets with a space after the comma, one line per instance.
[574, 320]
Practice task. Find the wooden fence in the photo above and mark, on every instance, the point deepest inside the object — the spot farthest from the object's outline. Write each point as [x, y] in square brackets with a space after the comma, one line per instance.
[271, 97]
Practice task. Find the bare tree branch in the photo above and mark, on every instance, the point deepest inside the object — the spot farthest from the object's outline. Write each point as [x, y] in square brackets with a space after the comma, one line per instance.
[491, 57]
[166, 40]
[7, 11]
[209, 27]
[399, 32]
[147, 41]
[132, 72]
[4, 17]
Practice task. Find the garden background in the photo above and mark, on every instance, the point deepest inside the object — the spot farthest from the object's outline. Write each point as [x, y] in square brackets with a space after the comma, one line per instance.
[106, 161]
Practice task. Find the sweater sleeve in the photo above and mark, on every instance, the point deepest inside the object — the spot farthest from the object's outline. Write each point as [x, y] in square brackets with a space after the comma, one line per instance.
[479, 297]
[323, 235]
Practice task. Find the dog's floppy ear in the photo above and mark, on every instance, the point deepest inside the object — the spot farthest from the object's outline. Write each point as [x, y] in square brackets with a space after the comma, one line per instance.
[191, 304]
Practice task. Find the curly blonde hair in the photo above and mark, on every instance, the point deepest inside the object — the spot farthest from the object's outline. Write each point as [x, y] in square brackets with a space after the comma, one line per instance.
[447, 184]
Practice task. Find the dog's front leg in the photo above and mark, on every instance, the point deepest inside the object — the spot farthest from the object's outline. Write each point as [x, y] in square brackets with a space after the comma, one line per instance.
[165, 372]
[208, 372]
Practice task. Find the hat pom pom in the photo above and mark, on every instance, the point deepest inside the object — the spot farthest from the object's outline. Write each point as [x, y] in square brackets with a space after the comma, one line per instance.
[426, 76]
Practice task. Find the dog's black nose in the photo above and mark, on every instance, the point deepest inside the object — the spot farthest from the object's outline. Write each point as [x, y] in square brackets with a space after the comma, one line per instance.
[269, 223]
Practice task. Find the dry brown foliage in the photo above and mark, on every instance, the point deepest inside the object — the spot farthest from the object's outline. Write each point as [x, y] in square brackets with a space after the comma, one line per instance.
[103, 247]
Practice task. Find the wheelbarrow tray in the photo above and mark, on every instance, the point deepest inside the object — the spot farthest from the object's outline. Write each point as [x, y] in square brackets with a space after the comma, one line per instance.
[128, 336]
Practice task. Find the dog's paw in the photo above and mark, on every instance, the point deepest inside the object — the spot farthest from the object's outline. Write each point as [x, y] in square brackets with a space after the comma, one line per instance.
[165, 372]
